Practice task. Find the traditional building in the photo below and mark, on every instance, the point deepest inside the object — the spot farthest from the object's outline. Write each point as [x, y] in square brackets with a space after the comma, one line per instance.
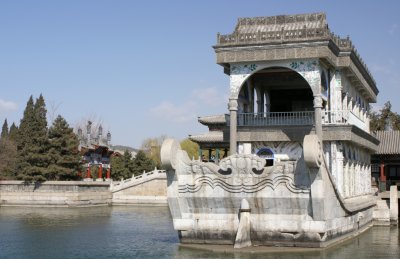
[96, 151]
[287, 75]
[299, 140]
[386, 161]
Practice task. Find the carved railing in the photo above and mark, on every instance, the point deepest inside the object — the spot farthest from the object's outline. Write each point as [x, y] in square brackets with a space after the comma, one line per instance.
[276, 118]
[134, 180]
[344, 117]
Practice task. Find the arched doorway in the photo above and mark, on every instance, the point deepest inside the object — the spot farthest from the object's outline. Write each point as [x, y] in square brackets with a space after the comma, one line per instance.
[275, 96]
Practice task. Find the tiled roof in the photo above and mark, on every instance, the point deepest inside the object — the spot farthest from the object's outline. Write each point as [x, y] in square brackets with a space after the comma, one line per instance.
[210, 137]
[390, 142]
[213, 120]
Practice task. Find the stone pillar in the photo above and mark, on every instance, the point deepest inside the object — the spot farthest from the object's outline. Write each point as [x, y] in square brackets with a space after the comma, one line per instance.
[247, 148]
[317, 116]
[338, 96]
[382, 175]
[346, 180]
[251, 95]
[267, 102]
[339, 170]
[233, 107]
[216, 155]
[108, 175]
[352, 171]
[100, 173]
[382, 178]
[88, 175]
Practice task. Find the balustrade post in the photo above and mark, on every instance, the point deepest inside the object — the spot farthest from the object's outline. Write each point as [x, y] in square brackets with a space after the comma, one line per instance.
[339, 166]
[233, 108]
[318, 116]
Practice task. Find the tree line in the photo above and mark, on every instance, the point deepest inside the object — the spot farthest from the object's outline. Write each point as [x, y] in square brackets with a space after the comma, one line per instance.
[33, 151]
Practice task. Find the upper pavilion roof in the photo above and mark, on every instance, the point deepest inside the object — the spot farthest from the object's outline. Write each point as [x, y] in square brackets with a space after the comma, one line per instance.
[389, 142]
[282, 28]
[288, 30]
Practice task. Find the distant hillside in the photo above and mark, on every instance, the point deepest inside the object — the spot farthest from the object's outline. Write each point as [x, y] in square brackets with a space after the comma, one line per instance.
[123, 148]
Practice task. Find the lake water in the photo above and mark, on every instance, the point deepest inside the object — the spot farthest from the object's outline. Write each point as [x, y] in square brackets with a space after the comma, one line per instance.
[144, 232]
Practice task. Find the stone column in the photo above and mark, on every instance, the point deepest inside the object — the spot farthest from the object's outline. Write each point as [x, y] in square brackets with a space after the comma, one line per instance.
[338, 96]
[339, 165]
[233, 107]
[100, 173]
[108, 175]
[317, 116]
[88, 175]
[382, 175]
[251, 95]
[346, 181]
[216, 155]
[352, 171]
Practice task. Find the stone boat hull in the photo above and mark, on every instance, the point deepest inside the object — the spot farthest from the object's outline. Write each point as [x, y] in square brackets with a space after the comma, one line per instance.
[241, 202]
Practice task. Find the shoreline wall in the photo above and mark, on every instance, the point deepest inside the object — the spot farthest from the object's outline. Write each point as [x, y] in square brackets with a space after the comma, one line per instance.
[55, 194]
[147, 189]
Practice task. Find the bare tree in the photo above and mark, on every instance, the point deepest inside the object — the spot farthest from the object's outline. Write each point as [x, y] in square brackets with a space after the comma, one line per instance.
[52, 110]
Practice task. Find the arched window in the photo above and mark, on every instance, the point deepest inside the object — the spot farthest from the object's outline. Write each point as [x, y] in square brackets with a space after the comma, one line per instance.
[268, 155]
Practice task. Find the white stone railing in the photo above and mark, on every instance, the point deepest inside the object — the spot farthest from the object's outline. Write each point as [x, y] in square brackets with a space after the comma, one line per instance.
[276, 118]
[357, 121]
[343, 117]
[135, 180]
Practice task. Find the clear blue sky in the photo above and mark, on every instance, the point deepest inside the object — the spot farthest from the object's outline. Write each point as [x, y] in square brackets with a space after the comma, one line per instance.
[147, 68]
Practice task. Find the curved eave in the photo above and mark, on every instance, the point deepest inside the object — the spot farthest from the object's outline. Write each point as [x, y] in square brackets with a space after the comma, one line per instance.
[215, 137]
[213, 120]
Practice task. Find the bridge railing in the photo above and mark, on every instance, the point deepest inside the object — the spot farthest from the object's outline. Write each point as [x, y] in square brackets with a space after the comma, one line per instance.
[118, 185]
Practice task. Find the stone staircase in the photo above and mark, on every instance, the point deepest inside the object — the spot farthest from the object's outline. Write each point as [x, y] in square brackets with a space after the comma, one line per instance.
[149, 188]
[381, 214]
[386, 210]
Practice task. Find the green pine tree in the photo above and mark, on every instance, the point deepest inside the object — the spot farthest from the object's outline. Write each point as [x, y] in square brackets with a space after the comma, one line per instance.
[8, 154]
[142, 163]
[4, 130]
[64, 155]
[13, 133]
[25, 125]
[122, 166]
[32, 142]
[8, 158]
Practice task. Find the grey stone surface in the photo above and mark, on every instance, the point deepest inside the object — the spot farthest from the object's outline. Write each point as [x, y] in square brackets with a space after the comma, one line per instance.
[394, 205]
[206, 200]
[55, 193]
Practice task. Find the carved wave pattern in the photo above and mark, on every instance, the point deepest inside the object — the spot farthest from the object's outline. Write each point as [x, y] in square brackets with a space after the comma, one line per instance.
[241, 188]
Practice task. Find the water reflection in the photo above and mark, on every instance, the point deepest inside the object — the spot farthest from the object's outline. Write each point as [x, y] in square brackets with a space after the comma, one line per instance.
[144, 232]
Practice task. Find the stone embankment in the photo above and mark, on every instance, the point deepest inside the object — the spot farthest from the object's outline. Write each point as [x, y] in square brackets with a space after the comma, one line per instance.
[148, 188]
[55, 193]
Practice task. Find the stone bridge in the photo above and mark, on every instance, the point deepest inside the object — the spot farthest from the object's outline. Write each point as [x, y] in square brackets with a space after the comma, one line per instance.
[148, 188]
